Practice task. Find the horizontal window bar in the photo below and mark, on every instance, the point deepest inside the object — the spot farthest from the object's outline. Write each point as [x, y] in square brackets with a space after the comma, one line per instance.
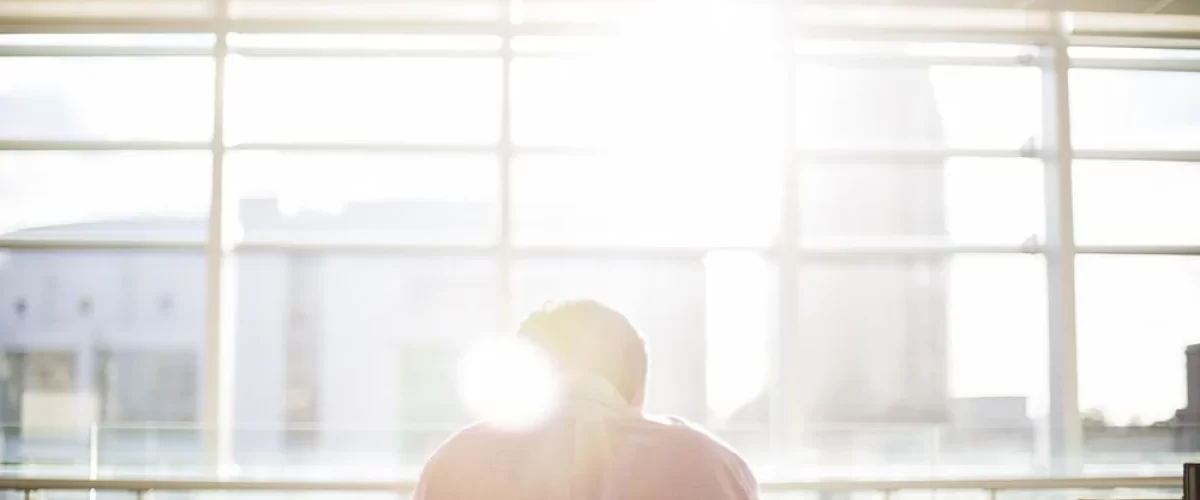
[518, 253]
[100, 51]
[916, 156]
[1146, 64]
[978, 484]
[868, 60]
[362, 52]
[333, 243]
[841, 250]
[803, 155]
[934, 34]
[848, 28]
[364, 146]
[83, 25]
[159, 241]
[1135, 43]
[70, 145]
[289, 26]
[1138, 249]
[884, 61]
[155, 241]
[903, 155]
[37, 145]
[1137, 155]
[1143, 482]
[149, 241]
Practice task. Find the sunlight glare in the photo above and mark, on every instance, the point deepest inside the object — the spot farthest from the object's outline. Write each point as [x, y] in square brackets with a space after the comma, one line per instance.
[509, 382]
[737, 312]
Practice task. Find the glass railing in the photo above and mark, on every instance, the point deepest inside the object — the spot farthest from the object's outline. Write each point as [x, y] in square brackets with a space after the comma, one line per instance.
[818, 453]
[1149, 488]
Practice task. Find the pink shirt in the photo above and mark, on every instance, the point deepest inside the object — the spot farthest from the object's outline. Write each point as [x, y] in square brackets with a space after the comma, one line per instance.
[649, 460]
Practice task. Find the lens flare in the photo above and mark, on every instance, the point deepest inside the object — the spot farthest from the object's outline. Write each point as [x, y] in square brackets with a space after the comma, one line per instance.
[508, 382]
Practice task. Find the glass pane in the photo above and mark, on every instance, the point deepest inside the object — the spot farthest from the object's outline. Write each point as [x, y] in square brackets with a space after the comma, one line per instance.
[740, 330]
[664, 300]
[104, 8]
[458, 10]
[936, 327]
[952, 106]
[443, 101]
[125, 194]
[647, 91]
[367, 197]
[1138, 311]
[106, 338]
[922, 342]
[106, 98]
[1157, 110]
[560, 200]
[350, 360]
[964, 201]
[1136, 203]
[562, 102]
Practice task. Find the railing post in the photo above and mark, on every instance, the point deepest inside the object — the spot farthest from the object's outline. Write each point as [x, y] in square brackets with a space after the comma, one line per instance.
[93, 451]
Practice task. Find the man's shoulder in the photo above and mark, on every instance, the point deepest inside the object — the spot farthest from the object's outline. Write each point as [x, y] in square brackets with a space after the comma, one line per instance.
[681, 449]
[473, 438]
[671, 431]
[661, 433]
[691, 438]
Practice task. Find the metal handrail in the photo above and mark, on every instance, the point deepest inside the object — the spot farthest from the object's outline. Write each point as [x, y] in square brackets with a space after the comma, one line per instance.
[991, 485]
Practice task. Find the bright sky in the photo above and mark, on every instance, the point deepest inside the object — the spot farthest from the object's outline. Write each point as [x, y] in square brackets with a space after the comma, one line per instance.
[711, 174]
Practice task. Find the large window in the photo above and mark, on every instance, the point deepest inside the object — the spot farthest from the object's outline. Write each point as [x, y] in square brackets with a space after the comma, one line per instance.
[839, 251]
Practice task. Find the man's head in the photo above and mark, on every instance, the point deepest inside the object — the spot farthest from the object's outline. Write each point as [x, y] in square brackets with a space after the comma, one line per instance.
[587, 336]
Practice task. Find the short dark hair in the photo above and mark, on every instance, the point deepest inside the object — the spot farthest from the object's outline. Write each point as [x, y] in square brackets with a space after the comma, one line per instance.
[587, 336]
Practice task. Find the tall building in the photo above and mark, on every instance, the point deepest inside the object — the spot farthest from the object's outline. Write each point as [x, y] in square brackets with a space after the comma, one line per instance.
[1187, 419]
[873, 330]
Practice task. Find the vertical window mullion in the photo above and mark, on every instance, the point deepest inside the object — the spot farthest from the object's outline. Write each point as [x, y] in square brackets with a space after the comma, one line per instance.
[219, 279]
[504, 153]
